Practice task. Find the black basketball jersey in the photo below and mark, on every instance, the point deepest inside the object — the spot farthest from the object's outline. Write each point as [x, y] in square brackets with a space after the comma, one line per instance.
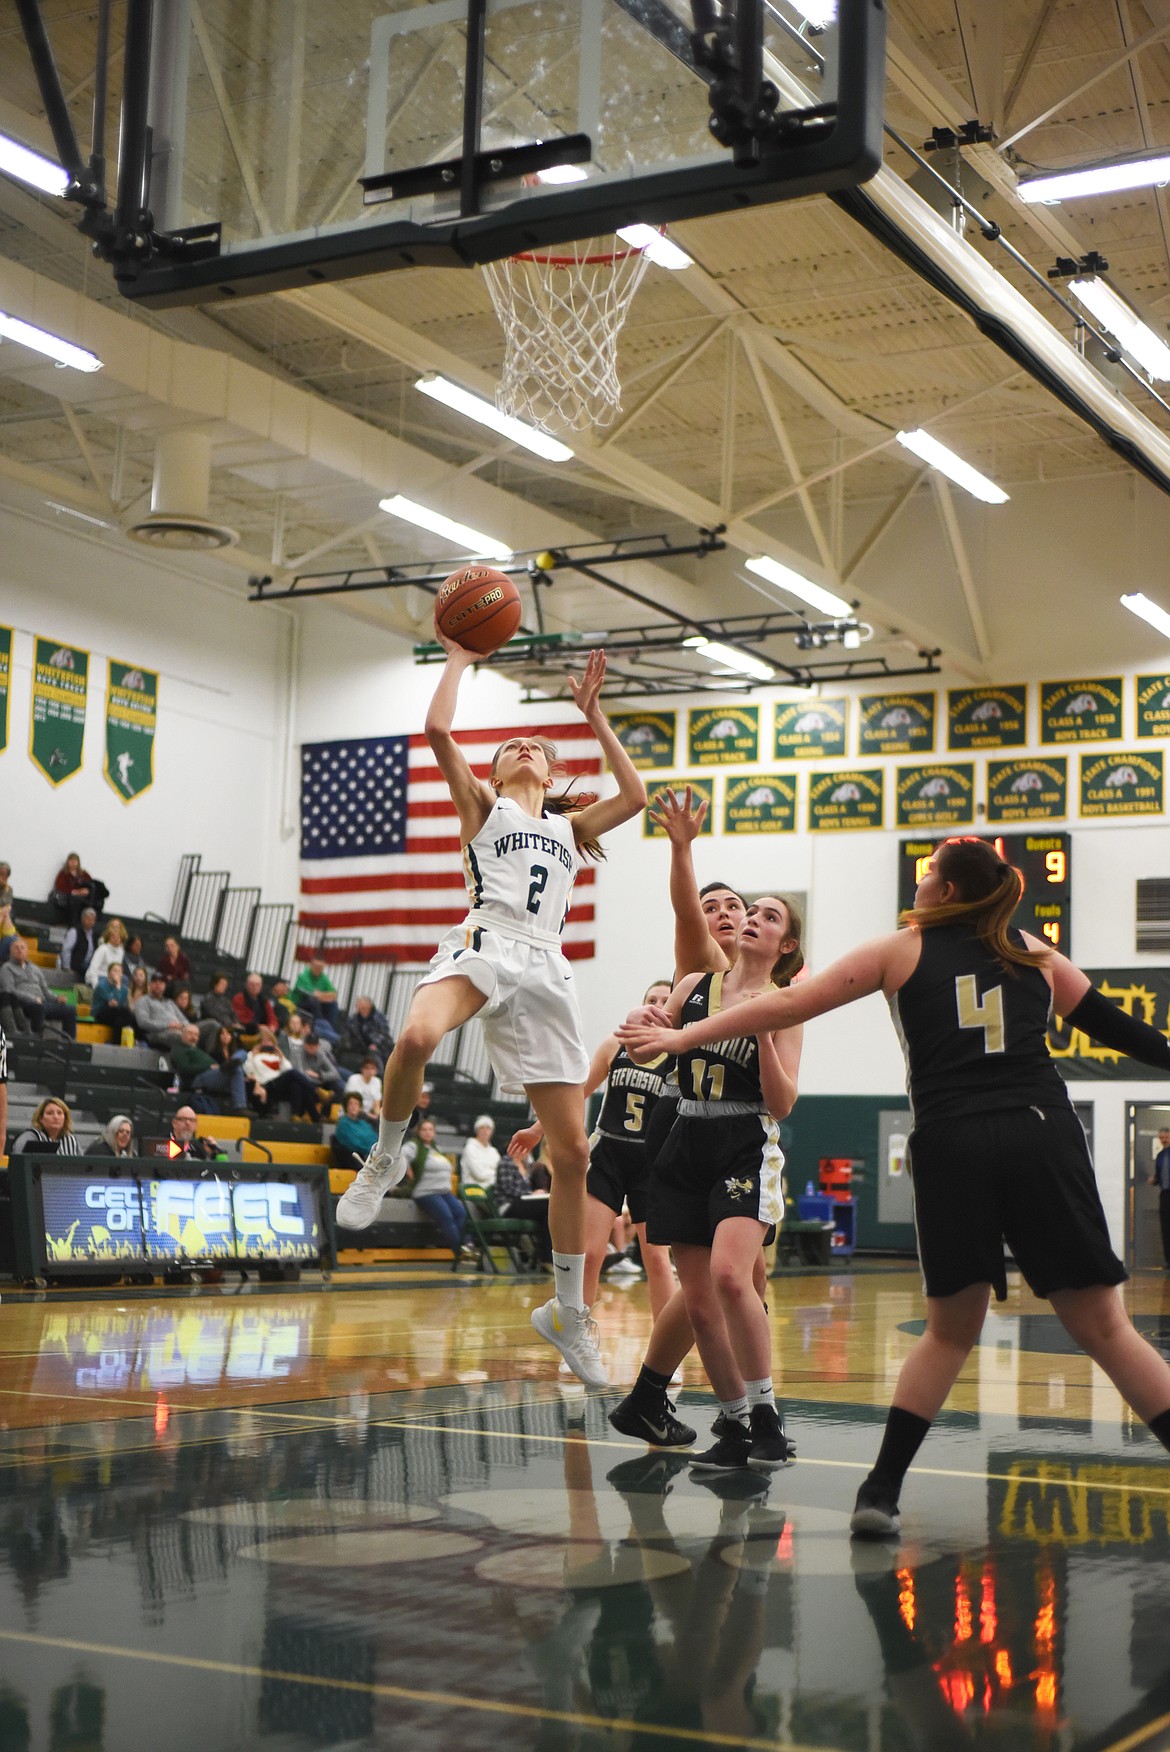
[631, 1094]
[725, 1070]
[974, 1031]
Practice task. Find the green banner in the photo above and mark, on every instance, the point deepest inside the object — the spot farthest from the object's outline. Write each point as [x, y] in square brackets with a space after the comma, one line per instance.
[810, 730]
[131, 714]
[896, 724]
[57, 732]
[935, 796]
[987, 717]
[1027, 790]
[647, 737]
[1153, 705]
[1143, 992]
[760, 805]
[1080, 711]
[702, 791]
[1121, 784]
[5, 681]
[723, 735]
[851, 799]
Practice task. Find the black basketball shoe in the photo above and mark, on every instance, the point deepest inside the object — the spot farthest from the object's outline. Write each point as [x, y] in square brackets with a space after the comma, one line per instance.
[770, 1446]
[730, 1451]
[875, 1513]
[649, 1474]
[652, 1423]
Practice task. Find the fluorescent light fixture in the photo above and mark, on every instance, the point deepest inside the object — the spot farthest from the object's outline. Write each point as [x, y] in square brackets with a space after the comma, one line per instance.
[1132, 335]
[946, 462]
[41, 341]
[730, 658]
[562, 173]
[476, 408]
[819, 13]
[32, 167]
[654, 246]
[1097, 179]
[804, 589]
[472, 541]
[1149, 611]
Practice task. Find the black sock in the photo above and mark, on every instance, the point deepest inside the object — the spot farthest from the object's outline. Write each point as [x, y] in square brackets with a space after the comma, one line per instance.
[905, 1434]
[650, 1385]
[1160, 1426]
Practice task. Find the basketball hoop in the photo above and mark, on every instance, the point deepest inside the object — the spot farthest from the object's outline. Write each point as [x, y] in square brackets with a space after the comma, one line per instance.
[561, 315]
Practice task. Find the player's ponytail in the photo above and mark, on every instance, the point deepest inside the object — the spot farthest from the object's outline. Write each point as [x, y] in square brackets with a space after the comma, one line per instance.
[990, 891]
[790, 963]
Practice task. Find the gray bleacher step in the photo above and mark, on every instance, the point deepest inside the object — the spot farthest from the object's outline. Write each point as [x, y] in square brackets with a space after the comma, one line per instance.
[129, 1058]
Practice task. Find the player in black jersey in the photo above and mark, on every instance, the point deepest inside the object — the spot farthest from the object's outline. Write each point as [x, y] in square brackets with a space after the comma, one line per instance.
[997, 1153]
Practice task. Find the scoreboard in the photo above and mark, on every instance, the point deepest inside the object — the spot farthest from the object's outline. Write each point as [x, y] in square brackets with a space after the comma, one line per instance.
[1044, 860]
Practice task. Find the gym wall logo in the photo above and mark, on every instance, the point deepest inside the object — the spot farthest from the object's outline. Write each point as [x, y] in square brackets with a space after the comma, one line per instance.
[810, 730]
[57, 725]
[1121, 784]
[702, 790]
[723, 735]
[1153, 705]
[896, 724]
[1027, 790]
[760, 805]
[1093, 1501]
[851, 799]
[1143, 992]
[1080, 711]
[935, 796]
[647, 737]
[5, 676]
[131, 717]
[987, 717]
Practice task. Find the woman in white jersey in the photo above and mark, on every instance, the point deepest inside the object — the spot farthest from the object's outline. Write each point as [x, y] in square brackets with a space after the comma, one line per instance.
[521, 850]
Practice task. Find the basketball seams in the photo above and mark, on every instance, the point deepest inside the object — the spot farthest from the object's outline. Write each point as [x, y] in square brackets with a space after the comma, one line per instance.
[469, 604]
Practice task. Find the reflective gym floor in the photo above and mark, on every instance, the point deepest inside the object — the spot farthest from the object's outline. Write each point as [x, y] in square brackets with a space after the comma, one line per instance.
[369, 1515]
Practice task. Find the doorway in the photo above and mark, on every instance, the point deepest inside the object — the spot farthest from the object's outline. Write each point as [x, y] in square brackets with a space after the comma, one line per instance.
[1143, 1238]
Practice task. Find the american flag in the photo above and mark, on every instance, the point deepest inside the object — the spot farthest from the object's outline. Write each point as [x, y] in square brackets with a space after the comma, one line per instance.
[380, 851]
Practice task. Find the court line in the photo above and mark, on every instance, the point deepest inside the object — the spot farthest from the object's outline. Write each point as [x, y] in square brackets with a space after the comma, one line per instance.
[408, 1694]
[1140, 1736]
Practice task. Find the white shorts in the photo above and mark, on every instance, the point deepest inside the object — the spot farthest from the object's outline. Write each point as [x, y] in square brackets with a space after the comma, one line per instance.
[531, 1020]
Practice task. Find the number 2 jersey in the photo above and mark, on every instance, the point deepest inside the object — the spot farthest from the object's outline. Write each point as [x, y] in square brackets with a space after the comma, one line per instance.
[520, 872]
[974, 1031]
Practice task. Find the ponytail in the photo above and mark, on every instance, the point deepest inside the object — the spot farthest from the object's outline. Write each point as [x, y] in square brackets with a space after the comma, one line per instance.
[790, 963]
[991, 890]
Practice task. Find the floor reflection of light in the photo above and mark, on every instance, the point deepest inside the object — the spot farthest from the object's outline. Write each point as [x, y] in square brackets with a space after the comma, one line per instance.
[907, 1605]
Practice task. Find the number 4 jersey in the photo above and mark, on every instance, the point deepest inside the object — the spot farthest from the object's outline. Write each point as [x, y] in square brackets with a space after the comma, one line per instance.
[520, 872]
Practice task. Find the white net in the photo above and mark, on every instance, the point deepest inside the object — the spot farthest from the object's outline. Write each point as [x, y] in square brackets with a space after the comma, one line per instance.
[561, 316]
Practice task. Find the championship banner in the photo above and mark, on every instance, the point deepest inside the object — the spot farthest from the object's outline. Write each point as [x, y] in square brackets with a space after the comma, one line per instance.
[723, 735]
[896, 724]
[1080, 711]
[702, 791]
[1143, 992]
[935, 796]
[810, 730]
[60, 681]
[5, 674]
[760, 805]
[852, 799]
[1153, 705]
[131, 714]
[1121, 784]
[1027, 790]
[987, 717]
[647, 737]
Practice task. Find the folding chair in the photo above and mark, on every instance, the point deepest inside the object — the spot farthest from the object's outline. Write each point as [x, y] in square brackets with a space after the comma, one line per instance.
[486, 1228]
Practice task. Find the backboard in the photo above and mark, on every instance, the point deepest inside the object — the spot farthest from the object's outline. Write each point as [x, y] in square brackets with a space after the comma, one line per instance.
[327, 142]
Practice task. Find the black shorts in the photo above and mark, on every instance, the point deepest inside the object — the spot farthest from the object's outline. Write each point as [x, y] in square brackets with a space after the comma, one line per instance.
[662, 1117]
[711, 1169]
[618, 1175]
[1022, 1176]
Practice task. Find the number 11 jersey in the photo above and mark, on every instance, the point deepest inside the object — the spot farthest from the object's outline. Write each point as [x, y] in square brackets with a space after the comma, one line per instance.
[520, 872]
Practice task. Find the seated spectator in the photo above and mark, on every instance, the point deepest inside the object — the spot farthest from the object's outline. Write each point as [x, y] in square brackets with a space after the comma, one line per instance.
[7, 931]
[80, 945]
[183, 1141]
[180, 996]
[139, 985]
[132, 956]
[517, 1196]
[281, 1002]
[480, 1158]
[271, 1078]
[253, 1010]
[315, 998]
[26, 1003]
[291, 1040]
[215, 1012]
[111, 948]
[110, 1005]
[367, 1030]
[431, 1174]
[213, 1076]
[368, 1084]
[6, 895]
[321, 1068]
[173, 964]
[354, 1136]
[51, 1132]
[115, 1139]
[74, 889]
[156, 1017]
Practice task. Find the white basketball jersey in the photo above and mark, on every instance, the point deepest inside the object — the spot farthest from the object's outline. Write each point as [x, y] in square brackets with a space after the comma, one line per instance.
[521, 870]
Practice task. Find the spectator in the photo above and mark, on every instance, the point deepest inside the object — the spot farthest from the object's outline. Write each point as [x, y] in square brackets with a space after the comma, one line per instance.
[51, 1132]
[419, 1111]
[172, 963]
[480, 1158]
[115, 1139]
[252, 1009]
[80, 945]
[281, 1002]
[368, 1084]
[6, 895]
[517, 1196]
[111, 948]
[26, 1003]
[367, 1030]
[321, 1068]
[180, 996]
[216, 1006]
[432, 1174]
[271, 1078]
[291, 1040]
[212, 1075]
[315, 998]
[7, 932]
[3, 1090]
[183, 1141]
[110, 1004]
[74, 888]
[158, 1018]
[139, 983]
[132, 956]
[354, 1136]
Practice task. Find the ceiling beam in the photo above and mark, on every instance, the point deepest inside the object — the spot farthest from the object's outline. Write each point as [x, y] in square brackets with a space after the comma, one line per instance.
[884, 523]
[230, 120]
[981, 25]
[966, 576]
[1137, 80]
[1024, 64]
[784, 442]
[1156, 35]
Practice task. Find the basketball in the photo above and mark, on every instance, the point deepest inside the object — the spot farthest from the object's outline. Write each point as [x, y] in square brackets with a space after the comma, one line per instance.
[479, 608]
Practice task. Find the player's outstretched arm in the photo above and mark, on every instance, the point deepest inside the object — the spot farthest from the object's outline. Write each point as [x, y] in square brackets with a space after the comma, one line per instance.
[597, 818]
[695, 950]
[1082, 1006]
[472, 798]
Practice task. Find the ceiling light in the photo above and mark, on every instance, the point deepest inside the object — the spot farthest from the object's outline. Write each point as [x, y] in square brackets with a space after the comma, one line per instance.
[730, 657]
[1149, 611]
[32, 167]
[476, 408]
[41, 341]
[819, 13]
[1133, 335]
[562, 173]
[786, 579]
[654, 246]
[469, 540]
[1097, 179]
[963, 475]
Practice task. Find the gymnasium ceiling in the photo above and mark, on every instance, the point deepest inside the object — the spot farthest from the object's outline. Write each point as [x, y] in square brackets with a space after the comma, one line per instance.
[762, 386]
